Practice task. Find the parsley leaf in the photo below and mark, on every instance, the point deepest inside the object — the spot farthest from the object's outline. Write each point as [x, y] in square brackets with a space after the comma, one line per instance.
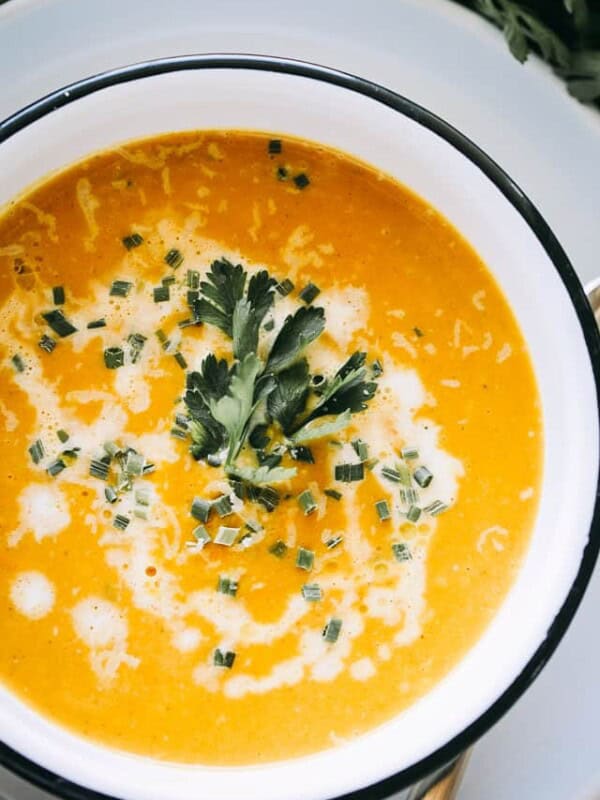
[221, 291]
[210, 383]
[298, 331]
[316, 429]
[288, 398]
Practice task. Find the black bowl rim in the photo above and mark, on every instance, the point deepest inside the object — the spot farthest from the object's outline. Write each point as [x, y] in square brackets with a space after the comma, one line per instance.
[435, 761]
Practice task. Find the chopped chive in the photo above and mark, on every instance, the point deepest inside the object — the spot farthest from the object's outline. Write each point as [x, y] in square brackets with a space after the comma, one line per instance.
[309, 293]
[161, 294]
[201, 537]
[178, 433]
[71, 453]
[120, 288]
[302, 453]
[226, 536]
[418, 332]
[56, 467]
[99, 469]
[193, 279]
[376, 369]
[112, 449]
[268, 497]
[136, 342]
[334, 494]
[349, 472]
[182, 421]
[274, 147]
[223, 659]
[305, 559]
[413, 514]
[284, 287]
[409, 453]
[169, 280]
[254, 526]
[269, 325]
[192, 296]
[47, 343]
[222, 506]
[401, 551]
[282, 174]
[121, 522]
[279, 549]
[301, 180]
[58, 295]
[331, 631]
[332, 543]
[312, 592]
[174, 258]
[409, 496]
[201, 509]
[435, 508]
[110, 494]
[131, 241]
[361, 449]
[162, 338]
[63, 436]
[307, 502]
[383, 510]
[134, 464]
[186, 323]
[227, 586]
[59, 323]
[180, 359]
[96, 323]
[423, 477]
[114, 357]
[36, 451]
[390, 474]
[18, 363]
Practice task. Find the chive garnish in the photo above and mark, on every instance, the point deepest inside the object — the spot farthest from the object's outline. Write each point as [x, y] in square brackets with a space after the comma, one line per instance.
[258, 437]
[134, 464]
[282, 174]
[413, 514]
[279, 549]
[178, 433]
[136, 342]
[96, 323]
[253, 526]
[401, 551]
[192, 296]
[334, 494]
[59, 324]
[274, 147]
[161, 294]
[227, 586]
[361, 449]
[112, 449]
[63, 436]
[312, 592]
[131, 241]
[121, 522]
[222, 506]
[301, 180]
[423, 476]
[186, 323]
[302, 453]
[162, 338]
[18, 363]
[182, 421]
[383, 510]
[390, 474]
[409, 453]
[36, 451]
[169, 280]
[180, 359]
[193, 279]
[58, 295]
[47, 343]
[201, 537]
[349, 472]
[56, 467]
[332, 543]
[114, 357]
[201, 509]
[174, 258]
[226, 536]
[223, 658]
[268, 497]
[99, 469]
[110, 494]
[435, 508]
[305, 559]
[307, 502]
[284, 287]
[376, 369]
[309, 293]
[409, 496]
[120, 288]
[331, 631]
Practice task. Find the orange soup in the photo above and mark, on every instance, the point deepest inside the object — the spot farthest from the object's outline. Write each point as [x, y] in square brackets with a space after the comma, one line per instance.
[271, 447]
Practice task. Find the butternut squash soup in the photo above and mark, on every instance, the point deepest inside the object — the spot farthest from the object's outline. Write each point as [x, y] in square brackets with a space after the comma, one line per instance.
[271, 447]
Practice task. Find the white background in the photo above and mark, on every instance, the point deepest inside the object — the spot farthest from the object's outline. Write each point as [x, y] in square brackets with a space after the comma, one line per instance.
[455, 64]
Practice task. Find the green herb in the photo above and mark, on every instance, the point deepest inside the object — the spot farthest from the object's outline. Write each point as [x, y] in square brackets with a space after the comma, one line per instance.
[110, 494]
[409, 496]
[201, 537]
[361, 449]
[180, 359]
[383, 510]
[224, 658]
[227, 586]
[435, 508]
[307, 502]
[114, 357]
[62, 435]
[423, 477]
[376, 369]
[302, 453]
[312, 592]
[309, 293]
[120, 521]
[47, 343]
[71, 453]
[96, 323]
[258, 437]
[134, 464]
[56, 467]
[288, 399]
[99, 469]
[334, 494]
[332, 543]
[390, 474]
[318, 428]
[413, 514]
[331, 631]
[301, 180]
[274, 147]
[18, 363]
[284, 287]
[401, 551]
[296, 333]
[305, 559]
[36, 451]
[136, 343]
[58, 295]
[112, 449]
[120, 288]
[131, 241]
[201, 509]
[222, 505]
[409, 453]
[226, 536]
[178, 433]
[279, 549]
[58, 323]
[174, 258]
[162, 338]
[349, 472]
[161, 294]
[193, 279]
[262, 475]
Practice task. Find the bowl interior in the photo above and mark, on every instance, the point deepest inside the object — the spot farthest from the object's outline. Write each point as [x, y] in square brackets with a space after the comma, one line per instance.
[393, 141]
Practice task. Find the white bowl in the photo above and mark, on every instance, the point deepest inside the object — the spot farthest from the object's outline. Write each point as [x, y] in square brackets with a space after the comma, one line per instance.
[452, 174]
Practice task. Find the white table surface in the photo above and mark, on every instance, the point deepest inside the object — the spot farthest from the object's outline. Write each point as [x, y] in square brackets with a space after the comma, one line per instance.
[450, 61]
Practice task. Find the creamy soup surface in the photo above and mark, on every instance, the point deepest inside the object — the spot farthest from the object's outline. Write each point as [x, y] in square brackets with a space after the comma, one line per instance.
[271, 447]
